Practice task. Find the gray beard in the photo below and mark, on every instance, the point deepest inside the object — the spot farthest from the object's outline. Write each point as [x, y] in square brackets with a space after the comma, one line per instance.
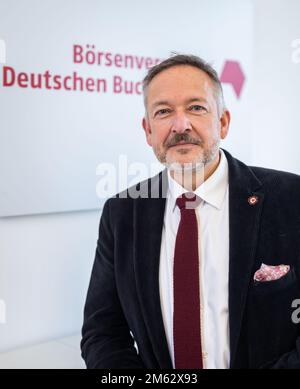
[205, 158]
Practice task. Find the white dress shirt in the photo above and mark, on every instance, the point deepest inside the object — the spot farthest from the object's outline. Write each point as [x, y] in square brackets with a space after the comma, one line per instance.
[213, 227]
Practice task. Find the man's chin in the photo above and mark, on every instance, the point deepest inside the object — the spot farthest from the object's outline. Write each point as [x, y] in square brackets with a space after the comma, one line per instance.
[185, 164]
[184, 160]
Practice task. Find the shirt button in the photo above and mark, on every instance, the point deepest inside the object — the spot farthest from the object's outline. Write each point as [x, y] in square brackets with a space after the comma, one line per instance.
[204, 355]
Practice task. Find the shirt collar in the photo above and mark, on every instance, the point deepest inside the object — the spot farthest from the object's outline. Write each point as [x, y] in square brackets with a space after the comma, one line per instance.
[212, 190]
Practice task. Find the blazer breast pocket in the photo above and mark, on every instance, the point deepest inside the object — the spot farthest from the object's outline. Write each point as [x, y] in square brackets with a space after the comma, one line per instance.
[286, 282]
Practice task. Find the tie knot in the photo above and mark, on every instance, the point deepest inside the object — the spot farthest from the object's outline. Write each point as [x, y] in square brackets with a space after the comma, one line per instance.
[188, 200]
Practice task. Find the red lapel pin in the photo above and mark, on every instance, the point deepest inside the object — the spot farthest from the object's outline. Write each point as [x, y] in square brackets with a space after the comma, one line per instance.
[253, 200]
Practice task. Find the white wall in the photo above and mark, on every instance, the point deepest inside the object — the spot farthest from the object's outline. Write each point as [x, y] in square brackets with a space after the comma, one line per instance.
[45, 267]
[276, 92]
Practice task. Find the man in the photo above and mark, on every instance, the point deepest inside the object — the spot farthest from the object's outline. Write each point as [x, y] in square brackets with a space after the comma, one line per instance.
[201, 269]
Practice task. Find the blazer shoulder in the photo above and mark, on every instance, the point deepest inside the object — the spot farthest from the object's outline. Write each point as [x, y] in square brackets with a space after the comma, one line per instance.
[142, 189]
[281, 182]
[122, 202]
[266, 174]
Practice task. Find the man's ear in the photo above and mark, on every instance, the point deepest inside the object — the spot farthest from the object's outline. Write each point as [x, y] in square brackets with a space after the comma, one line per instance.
[147, 129]
[224, 122]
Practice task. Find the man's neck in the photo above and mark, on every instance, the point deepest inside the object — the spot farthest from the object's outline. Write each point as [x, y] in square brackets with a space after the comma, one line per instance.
[192, 179]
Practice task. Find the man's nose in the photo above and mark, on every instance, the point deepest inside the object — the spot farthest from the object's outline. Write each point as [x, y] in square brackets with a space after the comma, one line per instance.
[181, 123]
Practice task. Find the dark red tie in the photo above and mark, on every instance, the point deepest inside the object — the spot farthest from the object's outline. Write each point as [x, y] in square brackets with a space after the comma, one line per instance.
[186, 319]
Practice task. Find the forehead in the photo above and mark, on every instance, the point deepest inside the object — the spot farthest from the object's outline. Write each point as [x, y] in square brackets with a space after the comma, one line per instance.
[180, 83]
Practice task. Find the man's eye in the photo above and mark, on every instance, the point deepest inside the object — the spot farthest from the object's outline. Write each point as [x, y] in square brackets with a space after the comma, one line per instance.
[198, 108]
[162, 111]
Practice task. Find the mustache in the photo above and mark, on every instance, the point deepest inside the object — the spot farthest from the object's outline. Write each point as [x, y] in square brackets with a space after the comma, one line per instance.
[183, 138]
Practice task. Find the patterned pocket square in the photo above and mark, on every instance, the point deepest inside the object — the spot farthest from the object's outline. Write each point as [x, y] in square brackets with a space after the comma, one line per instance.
[271, 273]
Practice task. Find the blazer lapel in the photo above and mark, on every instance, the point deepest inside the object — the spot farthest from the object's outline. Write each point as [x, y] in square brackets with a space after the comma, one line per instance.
[148, 224]
[244, 222]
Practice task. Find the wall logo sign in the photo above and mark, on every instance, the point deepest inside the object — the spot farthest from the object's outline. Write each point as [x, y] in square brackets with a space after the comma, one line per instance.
[88, 55]
[295, 45]
[2, 51]
[2, 312]
[233, 74]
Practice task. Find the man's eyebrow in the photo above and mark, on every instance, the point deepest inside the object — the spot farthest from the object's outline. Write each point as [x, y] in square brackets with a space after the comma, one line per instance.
[162, 102]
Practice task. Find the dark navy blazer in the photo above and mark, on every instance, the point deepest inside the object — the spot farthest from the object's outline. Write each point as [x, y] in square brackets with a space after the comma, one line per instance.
[123, 301]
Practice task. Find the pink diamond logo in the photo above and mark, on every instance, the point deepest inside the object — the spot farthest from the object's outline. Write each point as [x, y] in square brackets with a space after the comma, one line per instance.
[232, 74]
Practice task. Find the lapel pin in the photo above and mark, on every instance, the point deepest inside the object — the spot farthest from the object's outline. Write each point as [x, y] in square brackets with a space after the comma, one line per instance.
[253, 200]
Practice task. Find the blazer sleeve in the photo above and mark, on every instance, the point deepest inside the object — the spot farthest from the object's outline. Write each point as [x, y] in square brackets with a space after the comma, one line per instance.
[106, 339]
